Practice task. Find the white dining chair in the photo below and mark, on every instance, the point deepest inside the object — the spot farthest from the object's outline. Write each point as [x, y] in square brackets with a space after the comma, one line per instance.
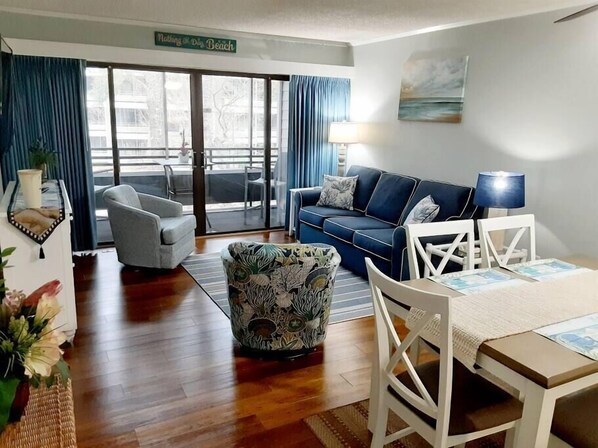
[520, 224]
[463, 231]
[441, 400]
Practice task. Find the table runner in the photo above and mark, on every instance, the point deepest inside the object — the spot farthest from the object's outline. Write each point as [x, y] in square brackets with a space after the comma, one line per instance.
[504, 312]
[38, 223]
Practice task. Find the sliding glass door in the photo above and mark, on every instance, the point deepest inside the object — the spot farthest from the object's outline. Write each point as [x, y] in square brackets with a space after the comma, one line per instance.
[200, 139]
[240, 162]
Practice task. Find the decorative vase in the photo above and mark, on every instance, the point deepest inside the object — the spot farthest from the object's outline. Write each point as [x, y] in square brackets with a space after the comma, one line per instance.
[183, 158]
[31, 186]
[20, 402]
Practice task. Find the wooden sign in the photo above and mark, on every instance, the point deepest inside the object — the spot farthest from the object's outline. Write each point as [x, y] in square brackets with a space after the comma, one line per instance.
[195, 42]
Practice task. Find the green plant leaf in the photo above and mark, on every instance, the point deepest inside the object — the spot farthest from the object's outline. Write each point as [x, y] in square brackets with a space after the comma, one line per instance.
[62, 368]
[8, 389]
[7, 252]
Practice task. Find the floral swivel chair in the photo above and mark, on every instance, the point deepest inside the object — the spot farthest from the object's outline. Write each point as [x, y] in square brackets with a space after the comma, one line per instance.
[280, 295]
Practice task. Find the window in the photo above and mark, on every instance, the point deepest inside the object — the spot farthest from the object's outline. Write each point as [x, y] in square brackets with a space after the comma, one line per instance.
[98, 142]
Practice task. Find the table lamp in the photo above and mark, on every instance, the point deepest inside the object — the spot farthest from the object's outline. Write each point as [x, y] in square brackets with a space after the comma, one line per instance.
[499, 191]
[342, 133]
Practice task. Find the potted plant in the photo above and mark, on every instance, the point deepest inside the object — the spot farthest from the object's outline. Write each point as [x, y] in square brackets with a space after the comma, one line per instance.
[41, 157]
[30, 353]
[184, 151]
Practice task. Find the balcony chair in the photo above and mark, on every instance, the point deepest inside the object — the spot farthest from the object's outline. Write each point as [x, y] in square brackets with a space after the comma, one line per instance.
[148, 231]
[279, 295]
[261, 182]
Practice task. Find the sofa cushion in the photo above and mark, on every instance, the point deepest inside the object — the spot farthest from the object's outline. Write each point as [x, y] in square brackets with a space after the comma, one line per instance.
[343, 228]
[337, 192]
[391, 195]
[366, 183]
[173, 229]
[375, 241]
[424, 211]
[452, 199]
[315, 215]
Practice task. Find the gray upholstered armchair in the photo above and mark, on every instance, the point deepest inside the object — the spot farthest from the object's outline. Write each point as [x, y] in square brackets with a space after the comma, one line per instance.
[148, 231]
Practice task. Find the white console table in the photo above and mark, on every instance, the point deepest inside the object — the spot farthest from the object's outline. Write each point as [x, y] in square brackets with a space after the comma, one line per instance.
[29, 272]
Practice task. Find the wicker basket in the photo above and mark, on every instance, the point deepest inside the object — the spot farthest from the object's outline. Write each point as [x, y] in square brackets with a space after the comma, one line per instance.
[48, 421]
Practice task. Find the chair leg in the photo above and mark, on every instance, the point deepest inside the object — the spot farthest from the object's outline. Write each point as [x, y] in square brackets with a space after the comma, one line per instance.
[510, 438]
[380, 425]
[374, 402]
[245, 202]
[263, 200]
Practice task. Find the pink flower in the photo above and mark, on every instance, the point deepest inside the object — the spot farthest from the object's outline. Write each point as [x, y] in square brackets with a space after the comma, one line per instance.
[51, 288]
[13, 300]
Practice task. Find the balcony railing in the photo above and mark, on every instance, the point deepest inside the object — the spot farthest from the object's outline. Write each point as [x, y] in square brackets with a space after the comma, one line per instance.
[144, 159]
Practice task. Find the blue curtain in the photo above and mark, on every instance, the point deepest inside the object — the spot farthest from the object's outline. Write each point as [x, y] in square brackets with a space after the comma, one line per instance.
[49, 102]
[6, 111]
[314, 103]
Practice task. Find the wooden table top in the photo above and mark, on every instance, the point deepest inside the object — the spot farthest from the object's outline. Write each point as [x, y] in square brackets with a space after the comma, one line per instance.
[537, 358]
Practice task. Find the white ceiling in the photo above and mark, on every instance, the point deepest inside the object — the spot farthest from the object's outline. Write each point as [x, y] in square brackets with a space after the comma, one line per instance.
[353, 21]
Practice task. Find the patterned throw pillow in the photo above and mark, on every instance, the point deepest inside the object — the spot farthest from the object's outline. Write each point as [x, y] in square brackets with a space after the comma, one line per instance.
[424, 211]
[337, 192]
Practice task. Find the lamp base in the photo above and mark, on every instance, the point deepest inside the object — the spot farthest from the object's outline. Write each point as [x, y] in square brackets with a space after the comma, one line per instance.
[498, 236]
[342, 157]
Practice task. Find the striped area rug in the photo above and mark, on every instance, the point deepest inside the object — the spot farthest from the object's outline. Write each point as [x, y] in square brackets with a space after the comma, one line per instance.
[351, 298]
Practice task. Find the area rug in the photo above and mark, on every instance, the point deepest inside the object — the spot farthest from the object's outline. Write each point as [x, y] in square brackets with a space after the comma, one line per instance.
[347, 427]
[351, 298]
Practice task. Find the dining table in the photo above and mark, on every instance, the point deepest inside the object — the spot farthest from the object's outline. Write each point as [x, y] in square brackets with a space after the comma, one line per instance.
[537, 368]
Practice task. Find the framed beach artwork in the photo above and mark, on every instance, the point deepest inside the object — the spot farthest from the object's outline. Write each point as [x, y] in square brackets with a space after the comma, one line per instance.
[433, 89]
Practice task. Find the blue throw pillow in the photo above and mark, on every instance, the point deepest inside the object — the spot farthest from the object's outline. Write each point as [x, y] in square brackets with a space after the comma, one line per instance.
[424, 211]
[337, 192]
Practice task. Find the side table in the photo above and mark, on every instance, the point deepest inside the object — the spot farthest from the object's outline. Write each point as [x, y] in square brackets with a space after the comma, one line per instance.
[292, 206]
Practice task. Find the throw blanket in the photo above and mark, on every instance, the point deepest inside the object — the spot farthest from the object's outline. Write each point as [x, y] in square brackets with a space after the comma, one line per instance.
[38, 223]
[504, 312]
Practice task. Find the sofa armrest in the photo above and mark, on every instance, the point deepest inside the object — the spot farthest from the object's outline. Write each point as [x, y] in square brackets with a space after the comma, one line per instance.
[303, 198]
[164, 208]
[399, 261]
[306, 197]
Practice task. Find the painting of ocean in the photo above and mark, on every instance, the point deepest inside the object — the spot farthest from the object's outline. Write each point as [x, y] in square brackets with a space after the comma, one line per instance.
[433, 89]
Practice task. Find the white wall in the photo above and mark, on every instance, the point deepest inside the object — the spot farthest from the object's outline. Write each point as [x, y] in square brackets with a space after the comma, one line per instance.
[531, 105]
[134, 44]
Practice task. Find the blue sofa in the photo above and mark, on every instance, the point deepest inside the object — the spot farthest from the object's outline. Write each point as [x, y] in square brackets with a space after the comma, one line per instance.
[374, 228]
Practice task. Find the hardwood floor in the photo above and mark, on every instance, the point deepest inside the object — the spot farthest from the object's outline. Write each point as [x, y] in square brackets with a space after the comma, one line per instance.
[154, 364]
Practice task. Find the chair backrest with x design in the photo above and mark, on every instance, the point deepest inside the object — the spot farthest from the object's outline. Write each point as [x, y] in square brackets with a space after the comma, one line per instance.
[463, 230]
[391, 350]
[520, 224]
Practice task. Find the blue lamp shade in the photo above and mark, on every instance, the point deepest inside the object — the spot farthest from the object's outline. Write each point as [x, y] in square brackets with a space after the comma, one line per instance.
[500, 189]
